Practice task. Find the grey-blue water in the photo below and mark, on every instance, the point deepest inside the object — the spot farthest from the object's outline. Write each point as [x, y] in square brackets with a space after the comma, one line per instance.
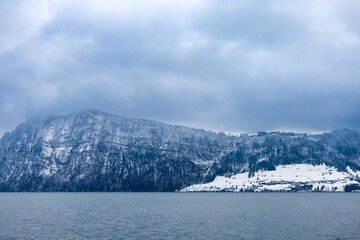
[179, 216]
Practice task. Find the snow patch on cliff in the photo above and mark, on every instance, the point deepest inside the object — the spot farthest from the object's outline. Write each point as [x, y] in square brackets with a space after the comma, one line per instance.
[49, 170]
[47, 150]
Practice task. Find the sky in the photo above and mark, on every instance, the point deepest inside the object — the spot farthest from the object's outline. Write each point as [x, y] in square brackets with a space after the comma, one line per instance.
[232, 66]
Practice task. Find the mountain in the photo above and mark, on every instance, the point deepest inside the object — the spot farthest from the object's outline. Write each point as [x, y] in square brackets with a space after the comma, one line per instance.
[97, 151]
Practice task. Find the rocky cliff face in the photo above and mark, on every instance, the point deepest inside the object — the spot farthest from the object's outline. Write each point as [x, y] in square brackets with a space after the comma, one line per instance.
[96, 151]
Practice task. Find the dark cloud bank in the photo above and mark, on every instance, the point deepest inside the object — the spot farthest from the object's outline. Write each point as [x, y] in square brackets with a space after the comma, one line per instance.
[234, 66]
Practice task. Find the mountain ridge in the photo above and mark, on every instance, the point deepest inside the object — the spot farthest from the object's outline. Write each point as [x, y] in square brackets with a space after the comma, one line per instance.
[97, 151]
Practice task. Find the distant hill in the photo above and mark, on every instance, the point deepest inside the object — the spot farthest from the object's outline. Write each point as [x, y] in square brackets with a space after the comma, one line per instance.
[97, 151]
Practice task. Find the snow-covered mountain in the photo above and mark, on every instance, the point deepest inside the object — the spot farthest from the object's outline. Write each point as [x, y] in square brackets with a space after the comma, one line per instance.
[96, 151]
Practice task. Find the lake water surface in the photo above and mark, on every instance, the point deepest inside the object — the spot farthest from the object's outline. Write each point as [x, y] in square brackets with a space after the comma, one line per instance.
[179, 216]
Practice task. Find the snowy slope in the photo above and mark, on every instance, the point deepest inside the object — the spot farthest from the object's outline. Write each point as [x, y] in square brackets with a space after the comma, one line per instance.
[284, 178]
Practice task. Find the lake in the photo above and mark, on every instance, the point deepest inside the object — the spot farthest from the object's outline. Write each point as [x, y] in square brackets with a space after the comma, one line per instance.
[179, 216]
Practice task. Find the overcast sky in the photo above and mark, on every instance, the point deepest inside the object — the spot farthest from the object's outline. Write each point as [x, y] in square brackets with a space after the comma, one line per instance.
[233, 66]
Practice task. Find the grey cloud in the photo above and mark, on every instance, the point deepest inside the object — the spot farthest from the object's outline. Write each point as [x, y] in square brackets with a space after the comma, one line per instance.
[256, 23]
[223, 65]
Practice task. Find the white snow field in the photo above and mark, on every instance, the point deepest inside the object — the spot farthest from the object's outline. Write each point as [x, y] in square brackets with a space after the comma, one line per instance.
[284, 178]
